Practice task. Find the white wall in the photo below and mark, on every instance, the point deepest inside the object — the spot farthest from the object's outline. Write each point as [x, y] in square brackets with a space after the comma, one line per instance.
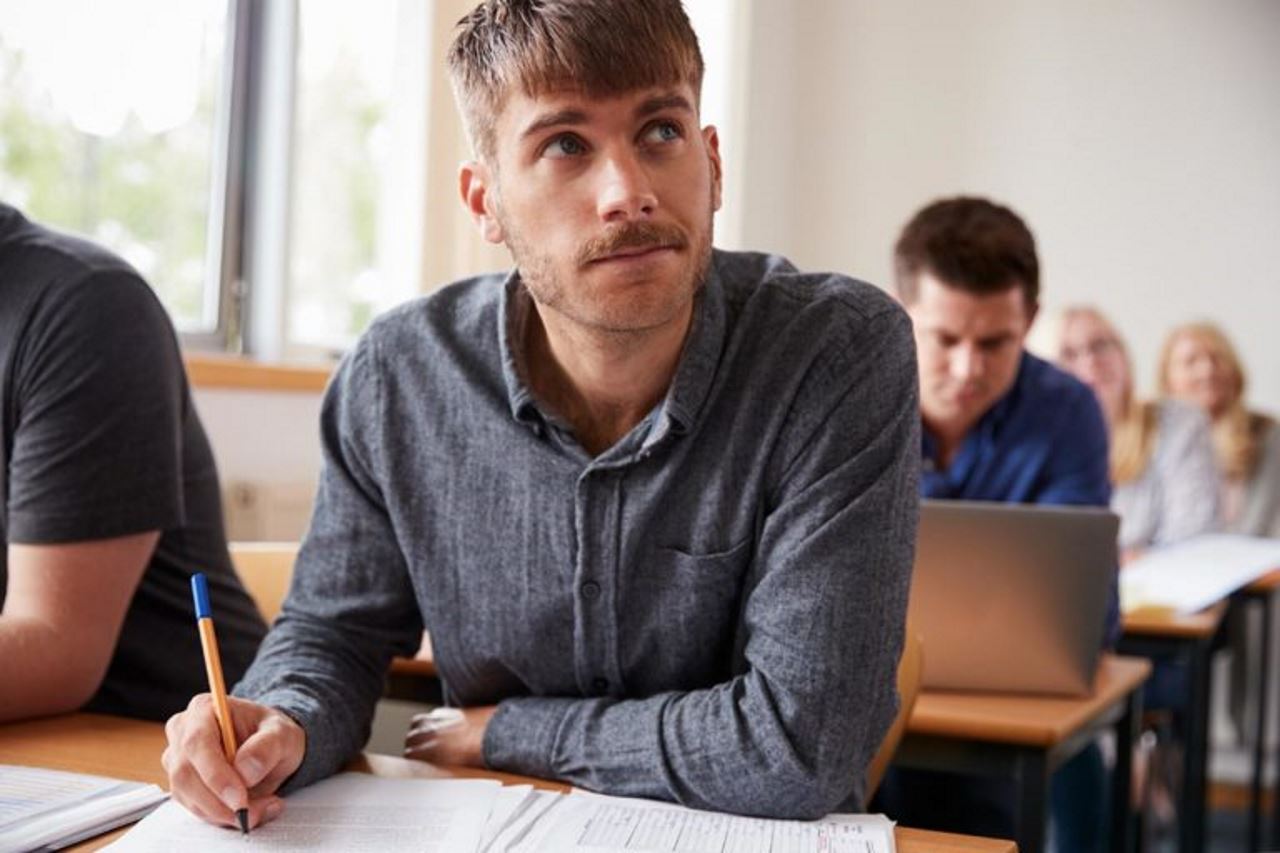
[268, 442]
[1141, 140]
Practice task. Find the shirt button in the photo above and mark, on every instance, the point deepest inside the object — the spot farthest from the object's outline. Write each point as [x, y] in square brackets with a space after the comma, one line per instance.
[590, 590]
[600, 684]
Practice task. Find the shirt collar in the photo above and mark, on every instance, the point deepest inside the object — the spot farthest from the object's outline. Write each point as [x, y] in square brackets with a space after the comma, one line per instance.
[698, 362]
[513, 316]
[690, 385]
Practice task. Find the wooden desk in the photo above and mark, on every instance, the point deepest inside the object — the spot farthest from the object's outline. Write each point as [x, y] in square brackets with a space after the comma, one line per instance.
[130, 749]
[1163, 634]
[1262, 593]
[1028, 737]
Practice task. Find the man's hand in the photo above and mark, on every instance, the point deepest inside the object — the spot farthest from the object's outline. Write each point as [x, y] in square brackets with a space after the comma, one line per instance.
[449, 736]
[272, 745]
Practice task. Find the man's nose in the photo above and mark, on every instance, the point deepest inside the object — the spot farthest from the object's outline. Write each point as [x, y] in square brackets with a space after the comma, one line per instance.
[626, 189]
[967, 363]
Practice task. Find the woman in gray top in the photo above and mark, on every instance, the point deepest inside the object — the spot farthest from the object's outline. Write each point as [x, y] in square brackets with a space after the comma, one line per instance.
[1199, 365]
[1162, 462]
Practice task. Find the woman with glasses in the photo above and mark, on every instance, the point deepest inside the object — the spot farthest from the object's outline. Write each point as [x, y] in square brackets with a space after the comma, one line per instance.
[1162, 460]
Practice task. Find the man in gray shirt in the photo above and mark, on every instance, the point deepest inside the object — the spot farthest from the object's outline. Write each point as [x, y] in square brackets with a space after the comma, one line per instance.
[656, 503]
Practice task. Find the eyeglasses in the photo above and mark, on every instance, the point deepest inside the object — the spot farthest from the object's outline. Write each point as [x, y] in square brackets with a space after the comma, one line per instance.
[1096, 348]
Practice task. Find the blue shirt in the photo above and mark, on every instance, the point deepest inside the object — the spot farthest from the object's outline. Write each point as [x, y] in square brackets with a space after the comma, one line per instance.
[1044, 442]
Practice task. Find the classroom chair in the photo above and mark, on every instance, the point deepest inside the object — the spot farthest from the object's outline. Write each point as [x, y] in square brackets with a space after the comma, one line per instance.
[264, 569]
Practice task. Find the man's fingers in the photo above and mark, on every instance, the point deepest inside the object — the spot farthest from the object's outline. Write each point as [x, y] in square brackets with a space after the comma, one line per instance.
[264, 809]
[203, 751]
[200, 777]
[423, 751]
[271, 754]
[189, 791]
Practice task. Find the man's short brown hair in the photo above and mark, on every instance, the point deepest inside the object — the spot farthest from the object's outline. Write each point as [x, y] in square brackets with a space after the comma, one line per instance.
[970, 244]
[598, 47]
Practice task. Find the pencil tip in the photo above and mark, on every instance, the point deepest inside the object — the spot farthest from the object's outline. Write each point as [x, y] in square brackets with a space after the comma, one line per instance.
[242, 818]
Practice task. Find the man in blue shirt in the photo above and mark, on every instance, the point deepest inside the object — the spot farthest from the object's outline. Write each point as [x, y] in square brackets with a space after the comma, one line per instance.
[999, 424]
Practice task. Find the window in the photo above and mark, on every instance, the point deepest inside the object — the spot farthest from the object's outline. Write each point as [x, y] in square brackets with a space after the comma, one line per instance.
[107, 128]
[280, 171]
[354, 225]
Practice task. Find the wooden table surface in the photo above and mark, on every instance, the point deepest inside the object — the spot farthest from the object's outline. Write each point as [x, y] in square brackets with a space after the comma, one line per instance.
[1164, 622]
[130, 749]
[1266, 583]
[1024, 720]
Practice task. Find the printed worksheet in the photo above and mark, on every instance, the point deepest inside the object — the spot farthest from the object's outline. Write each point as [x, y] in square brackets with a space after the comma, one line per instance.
[352, 812]
[589, 823]
[1196, 572]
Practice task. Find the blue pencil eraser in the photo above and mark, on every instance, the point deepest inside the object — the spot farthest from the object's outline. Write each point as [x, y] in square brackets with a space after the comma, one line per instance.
[200, 592]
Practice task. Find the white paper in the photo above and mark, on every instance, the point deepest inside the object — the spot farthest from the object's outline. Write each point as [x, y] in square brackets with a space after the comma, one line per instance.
[1197, 572]
[44, 807]
[522, 823]
[349, 812]
[507, 805]
[588, 823]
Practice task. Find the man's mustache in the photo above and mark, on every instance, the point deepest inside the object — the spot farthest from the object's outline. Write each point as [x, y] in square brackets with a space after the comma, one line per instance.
[632, 235]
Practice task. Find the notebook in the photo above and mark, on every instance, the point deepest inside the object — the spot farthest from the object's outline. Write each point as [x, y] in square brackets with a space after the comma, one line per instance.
[51, 808]
[1012, 597]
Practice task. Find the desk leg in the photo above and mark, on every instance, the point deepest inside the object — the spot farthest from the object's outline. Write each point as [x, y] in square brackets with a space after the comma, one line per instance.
[1260, 729]
[1191, 820]
[1124, 820]
[1031, 778]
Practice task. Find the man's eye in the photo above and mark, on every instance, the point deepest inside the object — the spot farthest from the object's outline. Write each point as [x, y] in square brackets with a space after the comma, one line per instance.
[565, 145]
[662, 131]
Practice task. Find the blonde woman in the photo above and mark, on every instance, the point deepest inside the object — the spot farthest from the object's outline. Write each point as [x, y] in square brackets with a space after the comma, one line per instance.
[1162, 462]
[1199, 365]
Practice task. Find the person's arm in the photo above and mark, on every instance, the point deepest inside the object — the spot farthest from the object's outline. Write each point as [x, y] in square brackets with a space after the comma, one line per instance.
[61, 618]
[351, 606]
[305, 706]
[94, 473]
[1189, 480]
[822, 619]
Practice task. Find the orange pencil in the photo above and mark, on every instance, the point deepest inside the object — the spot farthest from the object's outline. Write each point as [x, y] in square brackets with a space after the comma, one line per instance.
[217, 686]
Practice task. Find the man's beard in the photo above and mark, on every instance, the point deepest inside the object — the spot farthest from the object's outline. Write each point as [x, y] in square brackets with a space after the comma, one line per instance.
[538, 270]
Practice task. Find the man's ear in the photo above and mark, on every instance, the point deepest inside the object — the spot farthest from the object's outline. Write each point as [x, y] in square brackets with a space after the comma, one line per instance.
[475, 186]
[711, 138]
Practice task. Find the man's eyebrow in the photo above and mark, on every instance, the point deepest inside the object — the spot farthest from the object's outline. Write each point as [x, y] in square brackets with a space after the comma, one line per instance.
[673, 101]
[555, 119]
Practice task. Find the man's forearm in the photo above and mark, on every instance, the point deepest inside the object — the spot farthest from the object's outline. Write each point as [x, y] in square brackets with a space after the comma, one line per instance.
[737, 747]
[38, 675]
[327, 680]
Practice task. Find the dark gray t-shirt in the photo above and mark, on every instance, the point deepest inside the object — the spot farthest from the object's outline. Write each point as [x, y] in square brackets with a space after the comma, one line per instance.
[100, 439]
[709, 611]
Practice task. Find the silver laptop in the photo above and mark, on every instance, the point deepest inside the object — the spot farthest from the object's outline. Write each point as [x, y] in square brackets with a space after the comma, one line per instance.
[1012, 597]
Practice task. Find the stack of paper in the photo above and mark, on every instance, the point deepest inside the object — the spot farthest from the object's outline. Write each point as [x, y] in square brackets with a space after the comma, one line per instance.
[358, 812]
[48, 808]
[1196, 573]
[590, 823]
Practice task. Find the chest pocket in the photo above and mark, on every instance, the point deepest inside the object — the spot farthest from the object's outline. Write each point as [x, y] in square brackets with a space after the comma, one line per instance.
[685, 608]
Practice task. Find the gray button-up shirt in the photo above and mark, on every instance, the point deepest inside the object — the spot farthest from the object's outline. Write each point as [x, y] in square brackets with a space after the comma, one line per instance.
[710, 611]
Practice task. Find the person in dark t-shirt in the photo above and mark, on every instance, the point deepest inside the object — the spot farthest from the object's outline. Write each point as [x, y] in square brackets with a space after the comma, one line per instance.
[109, 499]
